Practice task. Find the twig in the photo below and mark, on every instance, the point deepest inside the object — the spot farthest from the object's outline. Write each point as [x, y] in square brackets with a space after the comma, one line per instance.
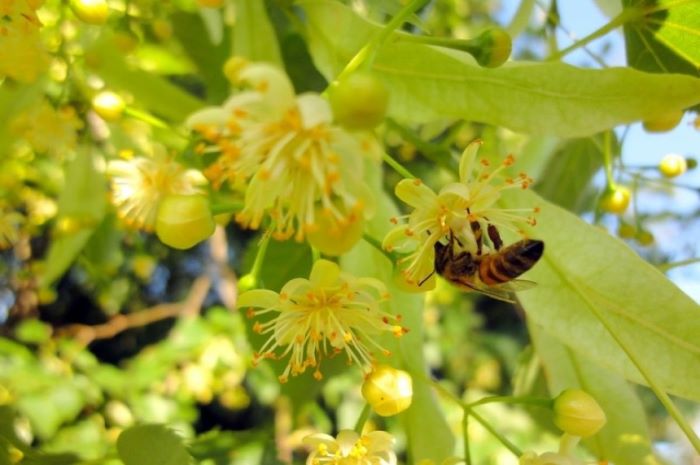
[86, 334]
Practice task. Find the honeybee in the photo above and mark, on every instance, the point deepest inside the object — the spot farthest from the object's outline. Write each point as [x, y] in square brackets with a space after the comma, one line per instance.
[491, 273]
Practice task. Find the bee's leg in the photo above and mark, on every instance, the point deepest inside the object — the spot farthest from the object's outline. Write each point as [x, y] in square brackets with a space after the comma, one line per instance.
[478, 235]
[495, 236]
[426, 278]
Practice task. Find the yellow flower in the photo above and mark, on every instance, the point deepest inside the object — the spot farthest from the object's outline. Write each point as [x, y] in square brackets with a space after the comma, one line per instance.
[452, 211]
[140, 184]
[48, 129]
[10, 223]
[349, 448]
[317, 318]
[285, 150]
[22, 56]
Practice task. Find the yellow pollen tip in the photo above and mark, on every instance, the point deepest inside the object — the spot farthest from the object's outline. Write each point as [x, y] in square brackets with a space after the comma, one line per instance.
[283, 296]
[397, 330]
[386, 353]
[417, 182]
[262, 86]
[264, 174]
[347, 337]
[250, 313]
[485, 162]
[510, 159]
[283, 379]
[318, 376]
[257, 327]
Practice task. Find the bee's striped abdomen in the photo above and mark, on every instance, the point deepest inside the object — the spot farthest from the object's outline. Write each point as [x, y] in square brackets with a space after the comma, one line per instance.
[510, 262]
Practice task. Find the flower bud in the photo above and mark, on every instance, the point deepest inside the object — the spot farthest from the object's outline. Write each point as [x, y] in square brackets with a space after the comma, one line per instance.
[247, 282]
[108, 105]
[184, 220]
[626, 231]
[387, 390]
[672, 165]
[616, 200]
[577, 413]
[359, 101]
[663, 122]
[90, 11]
[644, 237]
[494, 48]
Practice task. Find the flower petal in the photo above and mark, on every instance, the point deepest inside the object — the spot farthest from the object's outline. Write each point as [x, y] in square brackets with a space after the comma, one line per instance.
[346, 440]
[415, 193]
[270, 82]
[262, 298]
[314, 110]
[211, 116]
[466, 163]
[324, 274]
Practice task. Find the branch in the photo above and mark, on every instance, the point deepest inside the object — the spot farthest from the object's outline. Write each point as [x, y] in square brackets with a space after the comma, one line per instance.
[86, 334]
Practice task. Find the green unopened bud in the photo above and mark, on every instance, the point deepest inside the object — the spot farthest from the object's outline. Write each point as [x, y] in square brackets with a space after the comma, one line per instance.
[672, 165]
[644, 237]
[494, 47]
[692, 163]
[387, 390]
[577, 413]
[90, 11]
[184, 220]
[108, 105]
[359, 101]
[616, 200]
[663, 122]
[247, 282]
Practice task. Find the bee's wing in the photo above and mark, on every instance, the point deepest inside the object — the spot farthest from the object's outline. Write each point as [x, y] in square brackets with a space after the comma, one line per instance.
[516, 285]
[495, 292]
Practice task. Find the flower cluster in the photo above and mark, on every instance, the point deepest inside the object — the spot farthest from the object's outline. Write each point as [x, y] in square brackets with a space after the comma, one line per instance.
[140, 184]
[320, 317]
[349, 448]
[295, 165]
[48, 130]
[22, 56]
[454, 211]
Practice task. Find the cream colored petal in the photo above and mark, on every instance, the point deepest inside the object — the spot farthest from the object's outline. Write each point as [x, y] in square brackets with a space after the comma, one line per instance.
[466, 163]
[324, 273]
[314, 440]
[212, 116]
[314, 110]
[454, 189]
[346, 440]
[415, 193]
[271, 82]
[261, 298]
[397, 238]
[380, 441]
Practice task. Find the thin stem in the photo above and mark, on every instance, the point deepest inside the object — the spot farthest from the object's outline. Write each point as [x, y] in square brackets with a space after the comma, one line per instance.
[468, 411]
[465, 437]
[362, 419]
[260, 256]
[228, 207]
[367, 53]
[374, 242]
[567, 443]
[398, 167]
[626, 15]
[660, 394]
[315, 254]
[529, 400]
[667, 266]
[607, 159]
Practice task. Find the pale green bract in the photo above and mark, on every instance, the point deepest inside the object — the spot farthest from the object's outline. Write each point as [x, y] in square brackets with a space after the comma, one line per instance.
[428, 83]
[586, 274]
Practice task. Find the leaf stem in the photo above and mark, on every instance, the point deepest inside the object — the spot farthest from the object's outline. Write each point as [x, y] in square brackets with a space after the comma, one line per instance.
[374, 242]
[465, 437]
[667, 266]
[607, 159]
[625, 16]
[529, 400]
[367, 53]
[398, 167]
[362, 419]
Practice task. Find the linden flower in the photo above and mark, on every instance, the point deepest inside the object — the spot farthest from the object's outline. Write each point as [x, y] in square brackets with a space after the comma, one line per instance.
[139, 185]
[329, 313]
[435, 216]
[349, 448]
[294, 163]
[47, 129]
[10, 222]
[22, 56]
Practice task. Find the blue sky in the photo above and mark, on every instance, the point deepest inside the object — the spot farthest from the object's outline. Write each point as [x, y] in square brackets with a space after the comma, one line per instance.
[581, 17]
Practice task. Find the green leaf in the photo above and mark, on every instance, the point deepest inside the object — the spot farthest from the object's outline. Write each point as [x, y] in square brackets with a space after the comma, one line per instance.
[588, 279]
[151, 445]
[429, 436]
[33, 331]
[666, 37]
[253, 36]
[569, 173]
[428, 83]
[152, 92]
[624, 440]
[81, 207]
[207, 57]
